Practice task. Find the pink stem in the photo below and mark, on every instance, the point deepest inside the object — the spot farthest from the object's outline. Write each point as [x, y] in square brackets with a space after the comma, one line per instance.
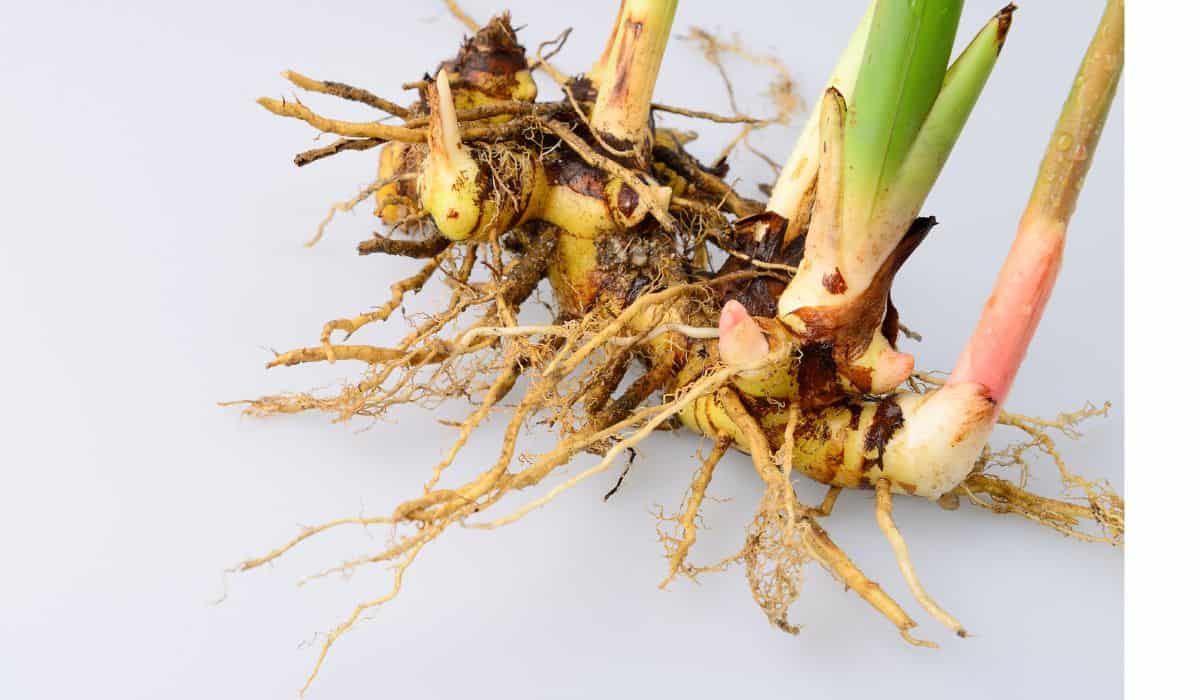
[1011, 315]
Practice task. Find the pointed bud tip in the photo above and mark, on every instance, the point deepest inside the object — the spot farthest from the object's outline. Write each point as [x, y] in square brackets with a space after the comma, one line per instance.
[892, 369]
[444, 139]
[732, 314]
[1003, 23]
[442, 81]
[741, 340]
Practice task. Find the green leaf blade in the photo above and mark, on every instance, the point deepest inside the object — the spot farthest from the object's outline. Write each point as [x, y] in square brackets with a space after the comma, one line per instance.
[965, 80]
[903, 68]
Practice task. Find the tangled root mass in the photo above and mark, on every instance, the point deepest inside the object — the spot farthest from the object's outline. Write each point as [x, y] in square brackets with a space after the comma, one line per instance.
[603, 371]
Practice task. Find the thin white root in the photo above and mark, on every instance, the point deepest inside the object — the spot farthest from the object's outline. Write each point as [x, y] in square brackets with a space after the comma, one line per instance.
[883, 514]
[697, 332]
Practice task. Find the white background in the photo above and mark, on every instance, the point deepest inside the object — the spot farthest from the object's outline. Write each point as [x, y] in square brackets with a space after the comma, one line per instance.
[151, 254]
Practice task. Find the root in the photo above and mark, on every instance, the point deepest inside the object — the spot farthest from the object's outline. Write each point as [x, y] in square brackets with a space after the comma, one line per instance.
[632, 311]
[347, 92]
[485, 112]
[1001, 496]
[783, 462]
[709, 116]
[499, 389]
[512, 332]
[835, 561]
[361, 608]
[706, 182]
[678, 547]
[479, 348]
[461, 15]
[1104, 508]
[348, 205]
[367, 397]
[312, 155]
[542, 62]
[596, 394]
[826, 508]
[780, 541]
[774, 563]
[436, 510]
[408, 134]
[454, 363]
[423, 248]
[306, 533]
[774, 554]
[370, 130]
[369, 354]
[620, 408]
[649, 418]
[909, 333]
[883, 515]
[782, 90]
[760, 448]
[383, 313]
[421, 348]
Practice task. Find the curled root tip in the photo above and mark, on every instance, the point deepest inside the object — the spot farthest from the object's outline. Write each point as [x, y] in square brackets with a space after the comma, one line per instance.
[917, 642]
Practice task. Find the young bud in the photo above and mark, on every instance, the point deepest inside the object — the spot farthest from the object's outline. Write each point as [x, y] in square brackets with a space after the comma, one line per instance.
[741, 342]
[449, 182]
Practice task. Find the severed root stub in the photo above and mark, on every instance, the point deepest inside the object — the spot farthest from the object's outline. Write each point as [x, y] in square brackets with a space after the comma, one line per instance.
[675, 302]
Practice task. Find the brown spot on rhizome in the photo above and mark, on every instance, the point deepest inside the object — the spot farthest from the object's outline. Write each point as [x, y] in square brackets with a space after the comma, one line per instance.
[833, 282]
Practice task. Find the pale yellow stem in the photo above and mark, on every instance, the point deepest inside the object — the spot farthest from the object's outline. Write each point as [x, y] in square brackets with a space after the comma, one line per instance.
[626, 72]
